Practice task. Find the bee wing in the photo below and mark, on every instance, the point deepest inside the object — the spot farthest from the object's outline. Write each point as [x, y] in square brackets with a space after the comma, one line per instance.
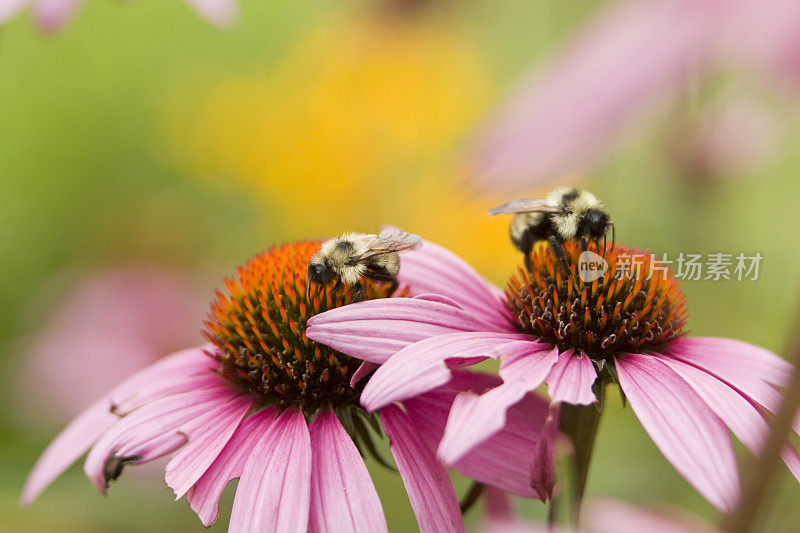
[525, 205]
[391, 240]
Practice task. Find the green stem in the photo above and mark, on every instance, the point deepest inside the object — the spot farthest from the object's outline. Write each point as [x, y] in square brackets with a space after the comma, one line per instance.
[471, 497]
[579, 423]
[552, 512]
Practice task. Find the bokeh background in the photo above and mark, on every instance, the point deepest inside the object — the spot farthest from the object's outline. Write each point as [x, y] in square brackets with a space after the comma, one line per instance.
[145, 153]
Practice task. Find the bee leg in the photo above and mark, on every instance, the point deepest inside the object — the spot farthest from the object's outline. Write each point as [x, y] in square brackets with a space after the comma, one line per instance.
[558, 251]
[337, 287]
[358, 293]
[526, 258]
[384, 278]
[584, 244]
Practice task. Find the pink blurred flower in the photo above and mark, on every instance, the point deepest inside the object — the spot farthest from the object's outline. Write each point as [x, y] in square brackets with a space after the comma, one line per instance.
[728, 139]
[110, 325]
[53, 14]
[264, 404]
[565, 118]
[686, 392]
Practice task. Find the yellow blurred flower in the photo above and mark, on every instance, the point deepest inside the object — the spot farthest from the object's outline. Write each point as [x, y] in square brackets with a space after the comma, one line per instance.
[354, 127]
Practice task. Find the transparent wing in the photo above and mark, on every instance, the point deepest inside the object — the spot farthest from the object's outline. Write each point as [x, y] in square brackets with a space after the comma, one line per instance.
[525, 205]
[391, 240]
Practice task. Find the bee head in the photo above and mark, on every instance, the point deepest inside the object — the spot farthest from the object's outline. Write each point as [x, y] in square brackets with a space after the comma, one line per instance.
[319, 272]
[595, 224]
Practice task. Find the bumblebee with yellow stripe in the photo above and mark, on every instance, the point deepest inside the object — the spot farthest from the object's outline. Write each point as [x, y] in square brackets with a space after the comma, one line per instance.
[566, 213]
[353, 256]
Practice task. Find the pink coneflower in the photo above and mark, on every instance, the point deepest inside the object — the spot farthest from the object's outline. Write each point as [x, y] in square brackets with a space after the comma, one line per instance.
[567, 116]
[265, 404]
[53, 14]
[685, 391]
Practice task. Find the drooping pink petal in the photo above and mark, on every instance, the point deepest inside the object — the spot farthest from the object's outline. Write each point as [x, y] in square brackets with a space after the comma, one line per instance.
[683, 427]
[206, 436]
[497, 461]
[219, 12]
[571, 379]
[71, 443]
[543, 477]
[52, 14]
[567, 117]
[363, 369]
[738, 413]
[154, 429]
[435, 269]
[720, 355]
[75, 439]
[204, 496]
[425, 365]
[473, 418]
[274, 490]
[429, 489]
[343, 497]
[745, 380]
[377, 329]
[498, 504]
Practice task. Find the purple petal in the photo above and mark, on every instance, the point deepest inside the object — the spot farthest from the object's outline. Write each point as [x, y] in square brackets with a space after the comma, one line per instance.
[71, 443]
[219, 12]
[552, 127]
[377, 329]
[275, 488]
[75, 439]
[425, 365]
[204, 496]
[52, 14]
[429, 488]
[683, 427]
[571, 379]
[719, 355]
[155, 429]
[738, 413]
[435, 269]
[207, 436]
[746, 380]
[343, 497]
[363, 369]
[473, 418]
[543, 476]
[496, 461]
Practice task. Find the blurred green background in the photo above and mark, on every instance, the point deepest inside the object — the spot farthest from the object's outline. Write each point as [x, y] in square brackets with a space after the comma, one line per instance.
[140, 135]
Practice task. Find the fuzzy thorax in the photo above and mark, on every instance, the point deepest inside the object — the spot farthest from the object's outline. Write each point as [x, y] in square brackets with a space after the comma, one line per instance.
[258, 330]
[601, 318]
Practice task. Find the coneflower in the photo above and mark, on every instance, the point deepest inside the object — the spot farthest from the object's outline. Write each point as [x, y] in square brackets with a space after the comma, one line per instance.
[265, 404]
[576, 336]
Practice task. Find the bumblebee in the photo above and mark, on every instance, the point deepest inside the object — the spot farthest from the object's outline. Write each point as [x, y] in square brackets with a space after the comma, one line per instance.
[564, 214]
[352, 256]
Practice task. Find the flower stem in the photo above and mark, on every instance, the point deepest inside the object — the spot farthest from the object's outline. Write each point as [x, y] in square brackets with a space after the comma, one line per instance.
[579, 423]
[759, 476]
[471, 497]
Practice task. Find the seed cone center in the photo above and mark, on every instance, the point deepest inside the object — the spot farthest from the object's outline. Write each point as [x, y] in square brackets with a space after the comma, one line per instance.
[634, 306]
[258, 331]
